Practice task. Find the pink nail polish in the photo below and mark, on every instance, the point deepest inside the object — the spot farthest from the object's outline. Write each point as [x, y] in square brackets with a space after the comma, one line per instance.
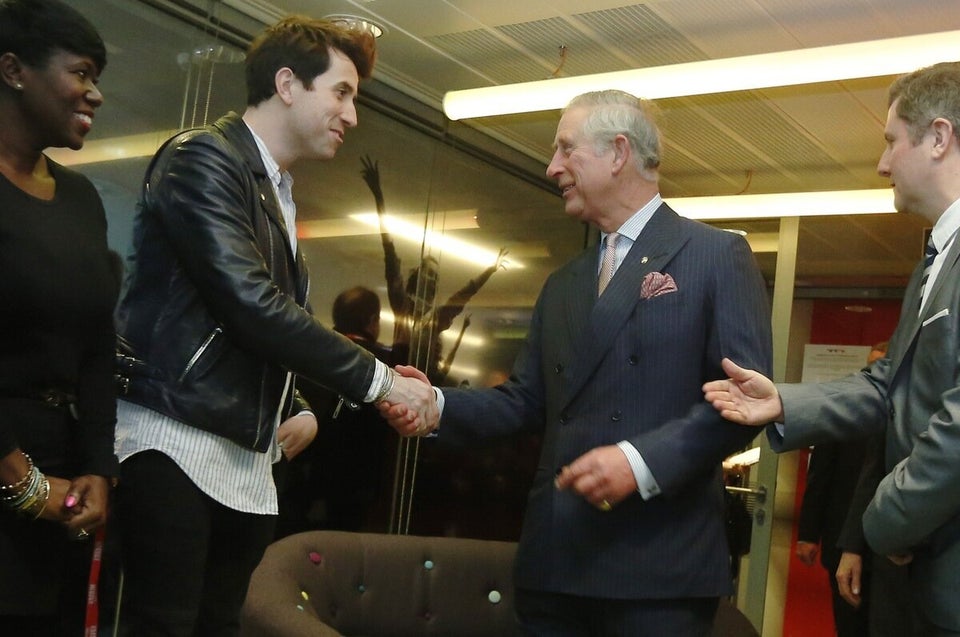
[69, 501]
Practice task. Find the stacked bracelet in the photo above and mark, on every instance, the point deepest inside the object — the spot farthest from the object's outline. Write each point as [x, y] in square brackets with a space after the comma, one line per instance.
[386, 387]
[18, 486]
[29, 494]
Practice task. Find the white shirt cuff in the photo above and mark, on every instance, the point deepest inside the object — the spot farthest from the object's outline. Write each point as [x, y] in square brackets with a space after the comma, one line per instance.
[380, 372]
[646, 484]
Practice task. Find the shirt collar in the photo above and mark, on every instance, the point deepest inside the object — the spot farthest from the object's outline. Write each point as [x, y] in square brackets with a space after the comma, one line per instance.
[946, 226]
[274, 174]
[633, 226]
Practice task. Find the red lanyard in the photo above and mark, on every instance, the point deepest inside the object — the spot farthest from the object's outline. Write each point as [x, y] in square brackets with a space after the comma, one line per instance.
[93, 605]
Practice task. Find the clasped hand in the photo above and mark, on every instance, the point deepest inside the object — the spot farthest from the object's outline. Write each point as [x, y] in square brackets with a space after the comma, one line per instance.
[80, 504]
[411, 407]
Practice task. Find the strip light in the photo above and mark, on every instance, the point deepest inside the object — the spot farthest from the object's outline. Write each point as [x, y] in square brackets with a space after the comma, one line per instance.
[891, 56]
[438, 241]
[792, 204]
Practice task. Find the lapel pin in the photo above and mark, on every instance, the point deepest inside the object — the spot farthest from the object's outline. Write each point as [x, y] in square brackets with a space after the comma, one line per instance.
[644, 260]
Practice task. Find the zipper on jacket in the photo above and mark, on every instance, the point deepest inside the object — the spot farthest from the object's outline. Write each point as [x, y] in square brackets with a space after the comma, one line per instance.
[260, 414]
[196, 355]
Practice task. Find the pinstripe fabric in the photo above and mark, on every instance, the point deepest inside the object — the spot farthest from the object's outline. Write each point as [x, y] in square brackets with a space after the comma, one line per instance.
[234, 476]
[595, 371]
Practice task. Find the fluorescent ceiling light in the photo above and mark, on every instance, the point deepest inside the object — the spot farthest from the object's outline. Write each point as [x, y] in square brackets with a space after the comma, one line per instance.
[360, 224]
[449, 336]
[438, 242]
[891, 56]
[792, 204]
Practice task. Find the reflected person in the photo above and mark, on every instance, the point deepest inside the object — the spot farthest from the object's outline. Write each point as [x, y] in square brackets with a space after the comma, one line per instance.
[344, 465]
[418, 321]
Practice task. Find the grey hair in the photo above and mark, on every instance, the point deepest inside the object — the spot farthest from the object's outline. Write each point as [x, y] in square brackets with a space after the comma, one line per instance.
[613, 113]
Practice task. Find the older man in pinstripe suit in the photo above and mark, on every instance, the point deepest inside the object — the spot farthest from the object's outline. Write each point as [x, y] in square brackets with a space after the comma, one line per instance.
[623, 532]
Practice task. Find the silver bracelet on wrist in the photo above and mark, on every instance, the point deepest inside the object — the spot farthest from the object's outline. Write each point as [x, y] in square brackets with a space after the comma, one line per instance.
[386, 387]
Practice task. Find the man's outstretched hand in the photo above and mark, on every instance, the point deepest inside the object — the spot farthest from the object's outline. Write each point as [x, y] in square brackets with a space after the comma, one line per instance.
[746, 398]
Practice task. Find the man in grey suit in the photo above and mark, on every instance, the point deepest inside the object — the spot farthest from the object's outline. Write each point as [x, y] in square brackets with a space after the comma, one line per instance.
[624, 529]
[913, 394]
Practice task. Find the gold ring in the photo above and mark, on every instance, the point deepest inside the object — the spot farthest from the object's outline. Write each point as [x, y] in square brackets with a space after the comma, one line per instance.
[605, 506]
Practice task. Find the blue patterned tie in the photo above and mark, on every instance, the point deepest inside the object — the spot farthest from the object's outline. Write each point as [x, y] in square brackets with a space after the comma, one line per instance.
[929, 254]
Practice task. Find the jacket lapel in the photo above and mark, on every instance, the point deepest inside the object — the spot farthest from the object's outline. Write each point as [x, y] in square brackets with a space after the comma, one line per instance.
[911, 318]
[240, 136]
[604, 317]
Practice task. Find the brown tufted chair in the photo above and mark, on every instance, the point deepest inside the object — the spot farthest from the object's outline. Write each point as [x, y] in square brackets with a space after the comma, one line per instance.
[337, 584]
[333, 583]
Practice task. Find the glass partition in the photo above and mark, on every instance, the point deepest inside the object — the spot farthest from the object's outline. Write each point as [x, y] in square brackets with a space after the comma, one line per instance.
[449, 197]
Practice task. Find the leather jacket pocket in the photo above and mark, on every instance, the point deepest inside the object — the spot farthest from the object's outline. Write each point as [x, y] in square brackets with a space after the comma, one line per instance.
[203, 355]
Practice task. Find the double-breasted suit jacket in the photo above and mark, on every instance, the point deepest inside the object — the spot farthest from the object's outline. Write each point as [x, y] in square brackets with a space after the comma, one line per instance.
[629, 366]
[914, 397]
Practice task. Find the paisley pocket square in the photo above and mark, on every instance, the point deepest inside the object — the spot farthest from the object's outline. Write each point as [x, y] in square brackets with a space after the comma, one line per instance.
[655, 284]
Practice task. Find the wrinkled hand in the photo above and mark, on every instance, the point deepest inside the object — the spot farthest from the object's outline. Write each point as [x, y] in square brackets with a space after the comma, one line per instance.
[849, 572]
[807, 552]
[295, 434]
[411, 408]
[371, 175]
[602, 476]
[901, 559]
[746, 398]
[89, 494]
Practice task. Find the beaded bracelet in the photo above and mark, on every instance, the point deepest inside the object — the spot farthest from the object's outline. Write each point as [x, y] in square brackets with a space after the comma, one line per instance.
[32, 501]
[19, 484]
[15, 500]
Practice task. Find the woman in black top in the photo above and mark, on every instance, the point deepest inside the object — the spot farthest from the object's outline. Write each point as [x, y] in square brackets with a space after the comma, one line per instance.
[57, 292]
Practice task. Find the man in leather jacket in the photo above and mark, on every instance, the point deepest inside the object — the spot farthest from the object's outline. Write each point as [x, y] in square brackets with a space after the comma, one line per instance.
[215, 326]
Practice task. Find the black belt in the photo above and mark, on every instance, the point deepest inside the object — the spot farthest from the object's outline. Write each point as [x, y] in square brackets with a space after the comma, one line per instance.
[51, 397]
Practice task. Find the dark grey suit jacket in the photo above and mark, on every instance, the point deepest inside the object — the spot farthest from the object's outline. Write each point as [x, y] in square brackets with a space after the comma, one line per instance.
[914, 397]
[594, 372]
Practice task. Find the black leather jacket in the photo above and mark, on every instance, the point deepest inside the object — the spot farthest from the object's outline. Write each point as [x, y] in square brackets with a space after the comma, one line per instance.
[215, 311]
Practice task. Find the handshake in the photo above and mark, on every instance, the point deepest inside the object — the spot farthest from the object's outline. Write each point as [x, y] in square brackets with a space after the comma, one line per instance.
[411, 405]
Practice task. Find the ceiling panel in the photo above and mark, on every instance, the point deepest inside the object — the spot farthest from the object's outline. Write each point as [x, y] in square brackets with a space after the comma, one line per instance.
[818, 137]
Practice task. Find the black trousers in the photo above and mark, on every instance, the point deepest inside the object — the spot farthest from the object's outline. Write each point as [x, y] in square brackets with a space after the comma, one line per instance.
[555, 615]
[849, 621]
[187, 559]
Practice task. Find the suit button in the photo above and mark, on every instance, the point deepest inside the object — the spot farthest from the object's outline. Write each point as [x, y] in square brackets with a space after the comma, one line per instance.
[893, 412]
[632, 360]
[558, 368]
[564, 419]
[616, 416]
